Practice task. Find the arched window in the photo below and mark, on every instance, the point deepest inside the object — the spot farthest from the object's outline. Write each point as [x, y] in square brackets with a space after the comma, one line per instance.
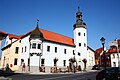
[79, 33]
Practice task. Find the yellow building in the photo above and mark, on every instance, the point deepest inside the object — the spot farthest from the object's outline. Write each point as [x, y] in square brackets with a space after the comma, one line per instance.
[10, 53]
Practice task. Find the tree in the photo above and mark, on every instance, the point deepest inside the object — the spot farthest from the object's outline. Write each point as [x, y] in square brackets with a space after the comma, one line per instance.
[84, 61]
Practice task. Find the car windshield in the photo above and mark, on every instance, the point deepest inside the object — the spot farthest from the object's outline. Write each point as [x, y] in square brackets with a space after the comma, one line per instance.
[113, 70]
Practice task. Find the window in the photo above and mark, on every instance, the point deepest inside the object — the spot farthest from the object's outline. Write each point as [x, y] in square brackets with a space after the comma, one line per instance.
[73, 52]
[79, 34]
[79, 44]
[22, 49]
[65, 51]
[117, 55]
[84, 45]
[42, 62]
[113, 55]
[55, 49]
[15, 61]
[34, 46]
[48, 48]
[20, 41]
[84, 34]
[16, 49]
[39, 46]
[25, 48]
[64, 62]
[78, 54]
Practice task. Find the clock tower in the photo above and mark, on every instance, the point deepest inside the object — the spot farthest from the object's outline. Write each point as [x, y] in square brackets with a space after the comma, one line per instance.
[80, 39]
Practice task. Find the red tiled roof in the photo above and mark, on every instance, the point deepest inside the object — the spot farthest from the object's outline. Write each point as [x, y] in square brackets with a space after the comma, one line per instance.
[111, 50]
[14, 36]
[1, 32]
[98, 51]
[9, 45]
[54, 37]
[51, 36]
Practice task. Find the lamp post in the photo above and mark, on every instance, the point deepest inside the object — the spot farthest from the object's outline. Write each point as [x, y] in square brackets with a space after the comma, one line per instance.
[103, 42]
[3, 63]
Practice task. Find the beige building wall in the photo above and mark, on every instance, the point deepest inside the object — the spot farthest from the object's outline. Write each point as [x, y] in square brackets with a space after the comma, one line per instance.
[9, 56]
[91, 58]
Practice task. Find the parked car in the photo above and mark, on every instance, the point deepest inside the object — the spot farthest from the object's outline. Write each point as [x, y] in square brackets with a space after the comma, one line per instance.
[112, 73]
[96, 67]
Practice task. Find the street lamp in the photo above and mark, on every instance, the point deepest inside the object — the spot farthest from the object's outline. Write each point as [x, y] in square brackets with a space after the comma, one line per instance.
[3, 62]
[103, 42]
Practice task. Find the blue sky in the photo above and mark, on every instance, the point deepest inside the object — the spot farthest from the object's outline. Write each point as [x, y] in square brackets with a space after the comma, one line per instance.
[102, 17]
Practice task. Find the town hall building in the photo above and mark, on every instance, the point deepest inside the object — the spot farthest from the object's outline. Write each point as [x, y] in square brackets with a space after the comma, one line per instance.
[42, 50]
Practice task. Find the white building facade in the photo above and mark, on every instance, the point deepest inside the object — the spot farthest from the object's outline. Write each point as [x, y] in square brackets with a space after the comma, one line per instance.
[42, 48]
[114, 53]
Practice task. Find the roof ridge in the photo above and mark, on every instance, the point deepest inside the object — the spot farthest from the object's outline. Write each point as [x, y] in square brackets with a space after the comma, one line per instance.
[56, 33]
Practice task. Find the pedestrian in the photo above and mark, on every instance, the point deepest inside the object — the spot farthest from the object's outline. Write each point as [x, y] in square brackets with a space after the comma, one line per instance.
[23, 67]
[7, 67]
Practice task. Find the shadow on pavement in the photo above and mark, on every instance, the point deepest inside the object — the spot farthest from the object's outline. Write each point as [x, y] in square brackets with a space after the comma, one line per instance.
[7, 72]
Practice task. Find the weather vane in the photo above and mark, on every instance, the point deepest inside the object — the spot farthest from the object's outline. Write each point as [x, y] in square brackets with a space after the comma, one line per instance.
[78, 8]
[37, 21]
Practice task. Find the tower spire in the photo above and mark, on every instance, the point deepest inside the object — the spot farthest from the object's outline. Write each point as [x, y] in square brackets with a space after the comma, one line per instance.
[36, 33]
[37, 22]
[79, 21]
[78, 9]
[79, 15]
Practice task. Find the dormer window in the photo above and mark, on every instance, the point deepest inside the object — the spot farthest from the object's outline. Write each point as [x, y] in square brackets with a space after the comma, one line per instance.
[34, 46]
[39, 46]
